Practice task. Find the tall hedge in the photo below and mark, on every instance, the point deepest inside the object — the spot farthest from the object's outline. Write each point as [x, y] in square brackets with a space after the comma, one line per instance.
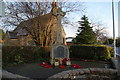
[23, 54]
[26, 54]
[96, 52]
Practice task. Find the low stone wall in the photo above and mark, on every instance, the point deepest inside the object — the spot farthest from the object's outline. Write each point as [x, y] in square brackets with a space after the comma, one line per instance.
[10, 76]
[87, 74]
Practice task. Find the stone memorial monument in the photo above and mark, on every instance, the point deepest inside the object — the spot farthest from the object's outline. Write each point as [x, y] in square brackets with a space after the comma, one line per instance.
[59, 49]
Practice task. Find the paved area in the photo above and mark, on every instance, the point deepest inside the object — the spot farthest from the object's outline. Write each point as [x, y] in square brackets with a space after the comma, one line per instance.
[116, 61]
[35, 71]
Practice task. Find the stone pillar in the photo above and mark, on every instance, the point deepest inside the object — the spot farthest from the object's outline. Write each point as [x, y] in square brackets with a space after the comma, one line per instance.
[59, 14]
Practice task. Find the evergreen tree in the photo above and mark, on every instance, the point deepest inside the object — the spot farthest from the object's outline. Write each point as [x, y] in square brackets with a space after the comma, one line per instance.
[85, 33]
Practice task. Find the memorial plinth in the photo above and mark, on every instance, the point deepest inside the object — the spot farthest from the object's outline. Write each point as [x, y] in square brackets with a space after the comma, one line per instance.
[59, 51]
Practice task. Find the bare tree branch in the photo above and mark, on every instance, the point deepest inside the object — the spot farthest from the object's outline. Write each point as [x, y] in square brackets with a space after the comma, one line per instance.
[28, 16]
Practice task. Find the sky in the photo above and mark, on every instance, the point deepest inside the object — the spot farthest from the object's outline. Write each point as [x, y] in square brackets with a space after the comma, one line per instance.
[98, 12]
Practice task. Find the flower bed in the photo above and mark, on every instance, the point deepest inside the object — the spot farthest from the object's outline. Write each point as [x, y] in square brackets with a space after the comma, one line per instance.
[63, 65]
[47, 65]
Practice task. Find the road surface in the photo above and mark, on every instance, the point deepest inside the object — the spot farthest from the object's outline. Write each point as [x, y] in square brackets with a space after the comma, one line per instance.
[118, 50]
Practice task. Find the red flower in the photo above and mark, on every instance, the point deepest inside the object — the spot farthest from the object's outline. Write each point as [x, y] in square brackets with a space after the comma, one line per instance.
[44, 64]
[41, 64]
[65, 59]
[62, 66]
[48, 66]
[73, 64]
[76, 66]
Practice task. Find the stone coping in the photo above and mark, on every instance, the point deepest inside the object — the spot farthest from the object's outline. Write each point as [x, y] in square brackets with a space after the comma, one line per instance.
[7, 75]
[88, 73]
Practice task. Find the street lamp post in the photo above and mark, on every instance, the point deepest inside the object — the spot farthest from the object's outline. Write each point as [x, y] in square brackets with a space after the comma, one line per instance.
[114, 43]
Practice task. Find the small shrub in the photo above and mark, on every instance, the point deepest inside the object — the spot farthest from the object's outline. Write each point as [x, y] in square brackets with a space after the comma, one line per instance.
[18, 59]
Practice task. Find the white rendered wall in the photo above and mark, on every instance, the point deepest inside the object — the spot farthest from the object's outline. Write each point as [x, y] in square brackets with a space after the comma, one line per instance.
[2, 8]
[119, 19]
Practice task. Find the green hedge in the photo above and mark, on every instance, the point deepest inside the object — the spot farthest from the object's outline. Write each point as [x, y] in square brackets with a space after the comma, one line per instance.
[95, 52]
[27, 54]
[24, 54]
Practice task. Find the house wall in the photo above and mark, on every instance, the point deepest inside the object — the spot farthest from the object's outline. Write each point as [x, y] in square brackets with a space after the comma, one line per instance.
[26, 41]
[10, 42]
[21, 41]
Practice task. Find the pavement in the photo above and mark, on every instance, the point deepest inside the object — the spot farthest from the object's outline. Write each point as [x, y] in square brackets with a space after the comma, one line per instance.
[116, 61]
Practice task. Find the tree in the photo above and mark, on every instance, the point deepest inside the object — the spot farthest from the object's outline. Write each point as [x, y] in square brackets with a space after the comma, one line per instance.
[17, 12]
[85, 33]
[22, 13]
[108, 41]
[100, 30]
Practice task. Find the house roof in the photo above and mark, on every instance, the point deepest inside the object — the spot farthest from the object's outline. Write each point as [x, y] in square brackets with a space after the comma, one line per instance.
[21, 32]
[12, 35]
[69, 39]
